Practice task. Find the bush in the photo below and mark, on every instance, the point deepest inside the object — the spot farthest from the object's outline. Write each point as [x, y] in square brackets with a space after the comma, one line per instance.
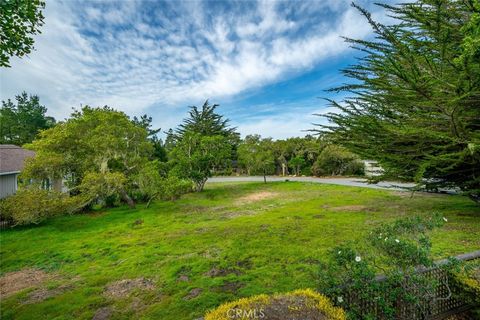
[335, 160]
[299, 304]
[395, 249]
[32, 205]
[173, 187]
[467, 281]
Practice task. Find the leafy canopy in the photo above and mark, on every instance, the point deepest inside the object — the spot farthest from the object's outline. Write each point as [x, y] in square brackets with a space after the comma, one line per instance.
[20, 122]
[20, 20]
[97, 150]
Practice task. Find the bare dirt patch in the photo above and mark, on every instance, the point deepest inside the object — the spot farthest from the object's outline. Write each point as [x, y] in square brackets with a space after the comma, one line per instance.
[103, 313]
[42, 294]
[123, 288]
[352, 208]
[13, 282]
[257, 196]
[195, 292]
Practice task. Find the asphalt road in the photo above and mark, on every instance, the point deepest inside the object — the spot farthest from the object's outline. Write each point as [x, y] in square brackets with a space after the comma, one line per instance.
[353, 182]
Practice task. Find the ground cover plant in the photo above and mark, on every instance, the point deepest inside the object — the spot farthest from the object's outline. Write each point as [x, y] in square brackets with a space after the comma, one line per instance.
[177, 260]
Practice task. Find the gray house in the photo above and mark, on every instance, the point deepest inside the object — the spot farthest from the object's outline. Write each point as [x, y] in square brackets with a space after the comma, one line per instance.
[12, 161]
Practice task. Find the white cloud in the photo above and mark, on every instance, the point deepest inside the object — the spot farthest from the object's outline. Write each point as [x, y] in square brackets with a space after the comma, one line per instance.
[134, 57]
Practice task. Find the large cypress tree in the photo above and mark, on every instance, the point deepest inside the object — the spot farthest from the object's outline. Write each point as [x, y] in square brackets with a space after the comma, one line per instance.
[414, 98]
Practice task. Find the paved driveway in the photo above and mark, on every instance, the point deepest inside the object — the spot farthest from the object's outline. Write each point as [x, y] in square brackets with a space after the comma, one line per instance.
[353, 182]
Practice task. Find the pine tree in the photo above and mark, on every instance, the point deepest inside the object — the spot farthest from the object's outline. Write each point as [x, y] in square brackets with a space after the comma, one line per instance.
[414, 100]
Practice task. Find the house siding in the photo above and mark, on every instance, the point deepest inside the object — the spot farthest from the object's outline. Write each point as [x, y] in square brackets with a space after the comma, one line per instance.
[8, 184]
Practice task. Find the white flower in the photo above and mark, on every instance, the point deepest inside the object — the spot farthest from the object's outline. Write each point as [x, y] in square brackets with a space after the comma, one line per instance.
[358, 258]
[397, 241]
[386, 238]
[445, 219]
[340, 299]
[340, 252]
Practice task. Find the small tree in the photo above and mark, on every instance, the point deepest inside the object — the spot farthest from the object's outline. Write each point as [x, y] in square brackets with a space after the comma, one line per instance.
[95, 147]
[202, 144]
[195, 156]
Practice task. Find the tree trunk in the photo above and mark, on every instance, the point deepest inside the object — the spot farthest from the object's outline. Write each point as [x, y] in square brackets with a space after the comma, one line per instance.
[200, 185]
[264, 176]
[125, 197]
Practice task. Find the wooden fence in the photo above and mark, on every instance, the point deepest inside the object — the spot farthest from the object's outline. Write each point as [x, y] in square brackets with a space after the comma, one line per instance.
[439, 304]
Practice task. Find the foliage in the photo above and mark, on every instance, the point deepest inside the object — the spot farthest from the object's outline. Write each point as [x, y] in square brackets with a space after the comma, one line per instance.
[173, 187]
[100, 186]
[99, 143]
[304, 303]
[335, 160]
[467, 281]
[20, 122]
[155, 186]
[397, 250]
[256, 155]
[34, 205]
[415, 95]
[20, 20]
[297, 154]
[297, 163]
[195, 157]
[159, 151]
[206, 122]
[202, 144]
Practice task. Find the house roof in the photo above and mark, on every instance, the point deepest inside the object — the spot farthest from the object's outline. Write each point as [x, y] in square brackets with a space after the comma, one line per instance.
[12, 158]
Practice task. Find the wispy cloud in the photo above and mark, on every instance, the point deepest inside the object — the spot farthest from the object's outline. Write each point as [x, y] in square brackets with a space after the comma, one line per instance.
[162, 56]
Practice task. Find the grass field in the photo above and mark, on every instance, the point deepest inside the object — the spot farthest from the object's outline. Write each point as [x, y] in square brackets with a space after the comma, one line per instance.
[175, 260]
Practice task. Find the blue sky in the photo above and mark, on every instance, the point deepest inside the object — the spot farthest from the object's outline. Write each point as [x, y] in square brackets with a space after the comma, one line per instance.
[265, 62]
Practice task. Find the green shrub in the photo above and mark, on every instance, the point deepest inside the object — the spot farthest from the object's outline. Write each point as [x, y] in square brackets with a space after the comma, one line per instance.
[335, 160]
[467, 282]
[299, 304]
[33, 205]
[171, 188]
[395, 249]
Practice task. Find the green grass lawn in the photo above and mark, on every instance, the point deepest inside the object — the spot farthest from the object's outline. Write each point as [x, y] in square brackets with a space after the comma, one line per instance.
[232, 240]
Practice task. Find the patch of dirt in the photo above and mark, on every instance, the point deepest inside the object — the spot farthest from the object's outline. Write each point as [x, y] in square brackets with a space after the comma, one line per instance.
[240, 213]
[294, 308]
[103, 313]
[257, 196]
[195, 292]
[123, 288]
[353, 208]
[219, 272]
[183, 278]
[13, 282]
[138, 222]
[230, 287]
[42, 294]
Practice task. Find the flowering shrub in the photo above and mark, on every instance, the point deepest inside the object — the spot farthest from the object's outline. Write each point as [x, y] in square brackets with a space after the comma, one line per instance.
[299, 304]
[396, 250]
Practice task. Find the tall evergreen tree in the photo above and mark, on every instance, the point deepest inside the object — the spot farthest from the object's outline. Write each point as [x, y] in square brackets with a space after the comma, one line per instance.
[415, 98]
[20, 122]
